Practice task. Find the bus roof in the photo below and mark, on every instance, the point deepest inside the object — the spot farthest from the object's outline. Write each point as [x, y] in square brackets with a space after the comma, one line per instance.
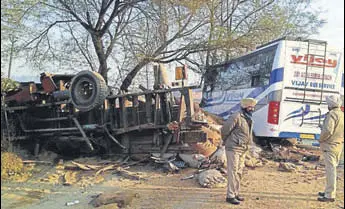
[286, 38]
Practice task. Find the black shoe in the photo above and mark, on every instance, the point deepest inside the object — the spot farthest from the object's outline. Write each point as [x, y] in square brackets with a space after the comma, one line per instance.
[239, 198]
[325, 199]
[233, 201]
[322, 194]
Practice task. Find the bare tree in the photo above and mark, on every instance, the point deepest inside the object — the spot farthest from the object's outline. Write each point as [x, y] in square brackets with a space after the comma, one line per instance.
[101, 22]
[125, 36]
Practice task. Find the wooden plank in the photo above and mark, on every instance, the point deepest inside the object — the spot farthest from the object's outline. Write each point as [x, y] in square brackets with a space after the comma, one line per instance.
[135, 111]
[125, 142]
[148, 107]
[123, 112]
[157, 110]
[156, 138]
[138, 128]
[156, 75]
[182, 109]
[152, 92]
[189, 104]
[112, 113]
[166, 110]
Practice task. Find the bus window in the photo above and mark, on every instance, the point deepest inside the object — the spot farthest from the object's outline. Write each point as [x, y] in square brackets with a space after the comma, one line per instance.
[255, 80]
[252, 70]
[260, 80]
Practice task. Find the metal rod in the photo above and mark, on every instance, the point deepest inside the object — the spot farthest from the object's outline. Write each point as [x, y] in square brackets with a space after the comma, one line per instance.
[320, 117]
[113, 138]
[86, 139]
[50, 119]
[306, 74]
[323, 72]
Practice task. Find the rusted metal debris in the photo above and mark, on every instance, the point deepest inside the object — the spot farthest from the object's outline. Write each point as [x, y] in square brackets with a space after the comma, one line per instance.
[80, 110]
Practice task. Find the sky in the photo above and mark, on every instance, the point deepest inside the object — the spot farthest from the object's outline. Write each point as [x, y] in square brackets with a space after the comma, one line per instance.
[332, 32]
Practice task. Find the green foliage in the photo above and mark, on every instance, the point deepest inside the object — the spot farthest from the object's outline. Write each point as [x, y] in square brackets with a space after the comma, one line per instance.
[12, 12]
[7, 84]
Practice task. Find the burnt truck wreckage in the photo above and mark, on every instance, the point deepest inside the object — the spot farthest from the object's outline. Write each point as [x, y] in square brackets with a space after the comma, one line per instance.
[80, 111]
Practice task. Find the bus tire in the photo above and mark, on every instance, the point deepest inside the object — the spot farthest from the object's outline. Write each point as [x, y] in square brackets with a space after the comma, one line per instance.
[88, 90]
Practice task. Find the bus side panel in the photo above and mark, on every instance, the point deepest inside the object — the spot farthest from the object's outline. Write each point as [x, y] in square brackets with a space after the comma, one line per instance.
[261, 126]
[224, 103]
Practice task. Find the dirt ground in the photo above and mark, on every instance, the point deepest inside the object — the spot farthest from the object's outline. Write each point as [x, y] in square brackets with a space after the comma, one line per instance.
[263, 188]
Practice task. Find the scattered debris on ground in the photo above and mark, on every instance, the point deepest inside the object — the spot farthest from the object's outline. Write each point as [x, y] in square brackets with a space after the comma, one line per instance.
[219, 157]
[288, 167]
[252, 162]
[212, 179]
[11, 165]
[121, 199]
[193, 160]
[13, 168]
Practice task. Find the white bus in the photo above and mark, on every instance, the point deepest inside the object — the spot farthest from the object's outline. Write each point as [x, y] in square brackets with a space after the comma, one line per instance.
[289, 77]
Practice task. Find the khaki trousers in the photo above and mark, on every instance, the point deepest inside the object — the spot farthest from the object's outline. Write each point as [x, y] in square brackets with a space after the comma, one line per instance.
[235, 163]
[332, 157]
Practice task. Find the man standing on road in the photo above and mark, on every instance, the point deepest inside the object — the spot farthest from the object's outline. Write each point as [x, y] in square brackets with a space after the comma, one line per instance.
[237, 136]
[331, 144]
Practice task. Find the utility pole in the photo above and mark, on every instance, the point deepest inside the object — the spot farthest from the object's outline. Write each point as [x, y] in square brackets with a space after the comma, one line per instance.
[11, 58]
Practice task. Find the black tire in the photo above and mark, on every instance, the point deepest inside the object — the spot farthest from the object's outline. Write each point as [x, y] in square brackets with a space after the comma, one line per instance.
[88, 90]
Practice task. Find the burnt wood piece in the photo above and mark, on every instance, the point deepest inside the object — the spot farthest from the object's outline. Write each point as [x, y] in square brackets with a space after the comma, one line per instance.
[148, 107]
[188, 96]
[157, 110]
[123, 112]
[135, 111]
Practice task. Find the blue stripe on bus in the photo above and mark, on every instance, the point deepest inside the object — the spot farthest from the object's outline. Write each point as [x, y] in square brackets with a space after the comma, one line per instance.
[304, 113]
[277, 75]
[295, 135]
[255, 93]
[316, 117]
[342, 81]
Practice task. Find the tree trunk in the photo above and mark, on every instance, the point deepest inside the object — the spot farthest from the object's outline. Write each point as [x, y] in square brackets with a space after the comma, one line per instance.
[99, 48]
[208, 74]
[130, 76]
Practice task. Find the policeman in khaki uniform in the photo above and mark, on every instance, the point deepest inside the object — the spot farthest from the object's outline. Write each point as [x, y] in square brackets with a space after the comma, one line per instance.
[331, 144]
[237, 136]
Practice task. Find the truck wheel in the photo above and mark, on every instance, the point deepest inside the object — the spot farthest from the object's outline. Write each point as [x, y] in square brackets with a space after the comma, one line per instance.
[88, 90]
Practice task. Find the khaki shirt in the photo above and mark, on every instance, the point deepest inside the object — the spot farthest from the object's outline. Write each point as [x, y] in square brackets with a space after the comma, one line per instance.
[237, 133]
[332, 132]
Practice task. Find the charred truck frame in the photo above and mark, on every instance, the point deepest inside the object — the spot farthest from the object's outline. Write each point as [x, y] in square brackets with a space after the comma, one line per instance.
[80, 111]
